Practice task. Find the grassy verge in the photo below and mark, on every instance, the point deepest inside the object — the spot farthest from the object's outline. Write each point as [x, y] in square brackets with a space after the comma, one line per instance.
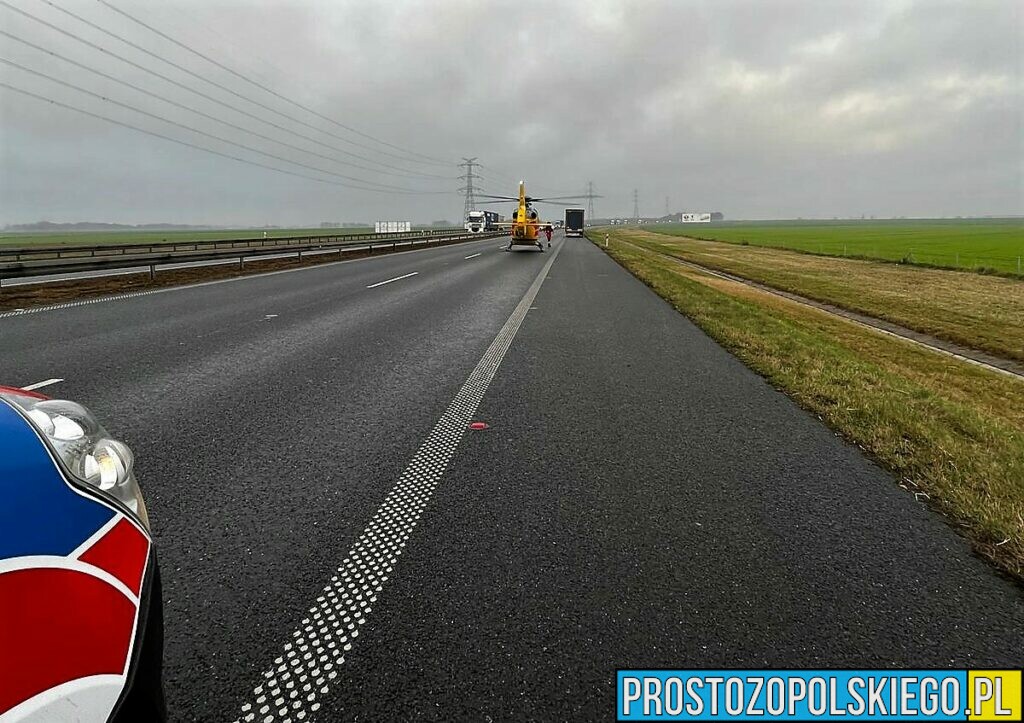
[991, 245]
[943, 428]
[983, 312]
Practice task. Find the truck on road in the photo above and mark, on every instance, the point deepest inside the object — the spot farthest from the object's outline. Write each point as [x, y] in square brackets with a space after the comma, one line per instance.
[574, 222]
[480, 221]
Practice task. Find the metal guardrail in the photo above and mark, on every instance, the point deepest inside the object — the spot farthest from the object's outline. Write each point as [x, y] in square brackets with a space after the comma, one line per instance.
[26, 253]
[25, 268]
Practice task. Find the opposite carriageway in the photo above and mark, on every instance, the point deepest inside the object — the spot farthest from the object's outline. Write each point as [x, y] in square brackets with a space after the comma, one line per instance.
[30, 264]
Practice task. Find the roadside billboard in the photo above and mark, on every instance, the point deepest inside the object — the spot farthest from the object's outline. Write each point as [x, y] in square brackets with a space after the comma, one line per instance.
[695, 217]
[392, 227]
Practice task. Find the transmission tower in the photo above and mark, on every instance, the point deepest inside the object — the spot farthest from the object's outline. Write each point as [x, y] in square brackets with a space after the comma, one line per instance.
[468, 177]
[636, 205]
[590, 199]
[666, 206]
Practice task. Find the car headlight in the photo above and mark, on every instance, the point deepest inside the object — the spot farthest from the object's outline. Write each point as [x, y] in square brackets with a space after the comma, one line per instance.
[86, 449]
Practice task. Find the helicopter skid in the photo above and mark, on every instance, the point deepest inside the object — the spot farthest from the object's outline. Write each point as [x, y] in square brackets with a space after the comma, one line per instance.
[524, 246]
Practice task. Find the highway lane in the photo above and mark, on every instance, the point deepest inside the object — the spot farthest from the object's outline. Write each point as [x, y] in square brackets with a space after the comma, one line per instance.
[265, 444]
[641, 499]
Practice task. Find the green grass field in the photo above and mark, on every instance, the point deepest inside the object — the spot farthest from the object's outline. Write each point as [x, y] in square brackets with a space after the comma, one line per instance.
[973, 244]
[95, 238]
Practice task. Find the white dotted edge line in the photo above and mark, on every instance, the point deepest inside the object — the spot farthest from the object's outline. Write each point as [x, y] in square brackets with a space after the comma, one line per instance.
[308, 663]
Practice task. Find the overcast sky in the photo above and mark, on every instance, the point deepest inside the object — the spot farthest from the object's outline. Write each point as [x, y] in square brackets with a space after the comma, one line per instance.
[764, 109]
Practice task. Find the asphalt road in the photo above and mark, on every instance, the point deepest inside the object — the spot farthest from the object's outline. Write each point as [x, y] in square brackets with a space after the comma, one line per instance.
[640, 498]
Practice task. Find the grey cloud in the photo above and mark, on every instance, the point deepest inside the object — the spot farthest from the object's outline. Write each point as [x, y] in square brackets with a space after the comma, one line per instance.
[758, 109]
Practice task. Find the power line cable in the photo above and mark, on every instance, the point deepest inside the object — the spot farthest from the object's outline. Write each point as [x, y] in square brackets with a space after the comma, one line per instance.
[220, 38]
[382, 187]
[191, 145]
[509, 178]
[198, 76]
[495, 171]
[205, 95]
[264, 88]
[195, 110]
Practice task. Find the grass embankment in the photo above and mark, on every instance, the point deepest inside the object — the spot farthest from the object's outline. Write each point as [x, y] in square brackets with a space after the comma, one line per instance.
[991, 245]
[975, 310]
[97, 238]
[942, 427]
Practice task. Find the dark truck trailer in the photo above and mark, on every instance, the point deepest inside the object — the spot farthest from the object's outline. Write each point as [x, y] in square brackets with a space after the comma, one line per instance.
[574, 222]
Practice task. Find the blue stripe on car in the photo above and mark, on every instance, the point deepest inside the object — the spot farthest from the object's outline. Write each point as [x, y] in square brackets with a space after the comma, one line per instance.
[39, 512]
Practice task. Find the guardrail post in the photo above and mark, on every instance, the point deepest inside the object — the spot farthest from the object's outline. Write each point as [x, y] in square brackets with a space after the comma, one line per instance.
[148, 257]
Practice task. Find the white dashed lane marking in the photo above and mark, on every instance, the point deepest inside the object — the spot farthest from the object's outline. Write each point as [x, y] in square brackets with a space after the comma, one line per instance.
[397, 278]
[304, 670]
[184, 287]
[40, 385]
[472, 256]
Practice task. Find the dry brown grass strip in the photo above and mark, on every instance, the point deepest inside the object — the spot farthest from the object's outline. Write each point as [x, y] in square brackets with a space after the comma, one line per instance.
[978, 311]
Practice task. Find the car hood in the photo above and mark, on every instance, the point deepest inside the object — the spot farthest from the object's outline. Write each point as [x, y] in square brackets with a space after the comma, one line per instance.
[72, 567]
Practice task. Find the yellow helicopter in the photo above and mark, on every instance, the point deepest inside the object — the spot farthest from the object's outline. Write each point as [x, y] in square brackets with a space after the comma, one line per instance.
[525, 226]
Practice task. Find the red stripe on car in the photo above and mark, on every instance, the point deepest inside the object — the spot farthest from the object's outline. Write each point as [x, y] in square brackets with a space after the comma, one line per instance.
[122, 552]
[59, 625]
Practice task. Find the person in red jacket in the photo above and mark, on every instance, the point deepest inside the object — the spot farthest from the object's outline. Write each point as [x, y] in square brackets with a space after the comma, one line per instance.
[547, 231]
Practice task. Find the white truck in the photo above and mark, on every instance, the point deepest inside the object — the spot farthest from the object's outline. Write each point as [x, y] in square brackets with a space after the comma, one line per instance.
[480, 221]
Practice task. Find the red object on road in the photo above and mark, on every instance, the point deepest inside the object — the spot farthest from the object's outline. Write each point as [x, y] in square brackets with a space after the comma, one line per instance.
[479, 426]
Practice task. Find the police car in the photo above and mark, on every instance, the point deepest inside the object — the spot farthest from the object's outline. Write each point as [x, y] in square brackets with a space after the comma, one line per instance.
[81, 621]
